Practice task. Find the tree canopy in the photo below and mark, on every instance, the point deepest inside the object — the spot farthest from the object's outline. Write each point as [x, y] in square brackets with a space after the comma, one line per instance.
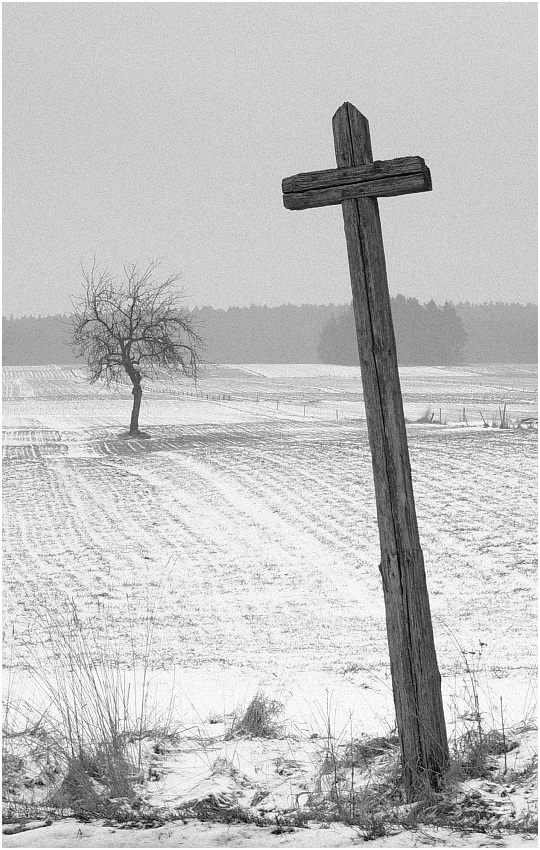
[134, 326]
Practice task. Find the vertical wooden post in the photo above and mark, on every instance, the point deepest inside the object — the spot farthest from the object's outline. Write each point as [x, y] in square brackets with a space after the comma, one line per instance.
[413, 662]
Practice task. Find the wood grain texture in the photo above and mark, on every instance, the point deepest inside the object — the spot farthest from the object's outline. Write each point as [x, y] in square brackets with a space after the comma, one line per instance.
[413, 661]
[406, 184]
[330, 177]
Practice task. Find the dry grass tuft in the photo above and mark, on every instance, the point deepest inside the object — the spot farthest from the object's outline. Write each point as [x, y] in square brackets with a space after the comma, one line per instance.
[258, 720]
[358, 753]
[427, 416]
[77, 743]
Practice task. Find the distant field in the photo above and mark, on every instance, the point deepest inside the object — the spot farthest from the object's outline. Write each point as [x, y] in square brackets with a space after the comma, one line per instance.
[252, 520]
[311, 390]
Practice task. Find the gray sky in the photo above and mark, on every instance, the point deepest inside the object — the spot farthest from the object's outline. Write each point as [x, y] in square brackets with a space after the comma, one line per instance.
[141, 130]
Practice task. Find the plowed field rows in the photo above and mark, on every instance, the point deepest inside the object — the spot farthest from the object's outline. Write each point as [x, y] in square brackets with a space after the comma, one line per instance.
[253, 529]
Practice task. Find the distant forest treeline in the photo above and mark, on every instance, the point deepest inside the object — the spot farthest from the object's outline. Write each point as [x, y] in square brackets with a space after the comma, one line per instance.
[425, 334]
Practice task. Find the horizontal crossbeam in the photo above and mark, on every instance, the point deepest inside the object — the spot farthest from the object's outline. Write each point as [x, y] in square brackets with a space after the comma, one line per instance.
[382, 179]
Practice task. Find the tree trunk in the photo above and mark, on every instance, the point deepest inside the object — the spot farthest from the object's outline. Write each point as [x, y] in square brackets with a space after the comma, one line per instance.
[137, 396]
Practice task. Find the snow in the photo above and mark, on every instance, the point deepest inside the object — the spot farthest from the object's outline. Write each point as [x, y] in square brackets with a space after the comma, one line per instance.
[72, 834]
[247, 526]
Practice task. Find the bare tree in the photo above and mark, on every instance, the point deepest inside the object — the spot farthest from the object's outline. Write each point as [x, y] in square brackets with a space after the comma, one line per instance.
[133, 326]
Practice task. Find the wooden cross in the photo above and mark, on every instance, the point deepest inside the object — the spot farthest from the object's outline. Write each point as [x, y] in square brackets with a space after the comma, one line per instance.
[355, 184]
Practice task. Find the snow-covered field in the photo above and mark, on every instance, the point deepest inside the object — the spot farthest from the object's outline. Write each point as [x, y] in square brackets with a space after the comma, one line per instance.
[247, 524]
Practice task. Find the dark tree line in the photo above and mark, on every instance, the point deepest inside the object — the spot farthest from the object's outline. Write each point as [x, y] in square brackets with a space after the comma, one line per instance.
[496, 333]
[32, 341]
[425, 335]
[500, 333]
[259, 334]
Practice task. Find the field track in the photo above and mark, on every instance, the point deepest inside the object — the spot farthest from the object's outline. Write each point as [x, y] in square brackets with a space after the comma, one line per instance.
[253, 531]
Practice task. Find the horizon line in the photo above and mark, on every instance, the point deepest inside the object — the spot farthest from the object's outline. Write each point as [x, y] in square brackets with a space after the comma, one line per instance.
[305, 304]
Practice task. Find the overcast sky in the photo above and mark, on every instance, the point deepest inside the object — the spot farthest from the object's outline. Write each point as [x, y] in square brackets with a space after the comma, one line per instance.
[142, 130]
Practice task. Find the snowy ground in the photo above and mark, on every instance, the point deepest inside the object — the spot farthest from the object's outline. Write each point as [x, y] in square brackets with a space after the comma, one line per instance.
[247, 524]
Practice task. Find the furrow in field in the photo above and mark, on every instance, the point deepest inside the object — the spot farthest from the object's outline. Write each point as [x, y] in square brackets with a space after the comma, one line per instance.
[266, 553]
[254, 532]
[231, 571]
[475, 496]
[321, 504]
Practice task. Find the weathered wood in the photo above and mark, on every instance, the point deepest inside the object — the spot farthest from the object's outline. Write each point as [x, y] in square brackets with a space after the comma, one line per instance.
[382, 179]
[382, 168]
[407, 184]
[413, 661]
